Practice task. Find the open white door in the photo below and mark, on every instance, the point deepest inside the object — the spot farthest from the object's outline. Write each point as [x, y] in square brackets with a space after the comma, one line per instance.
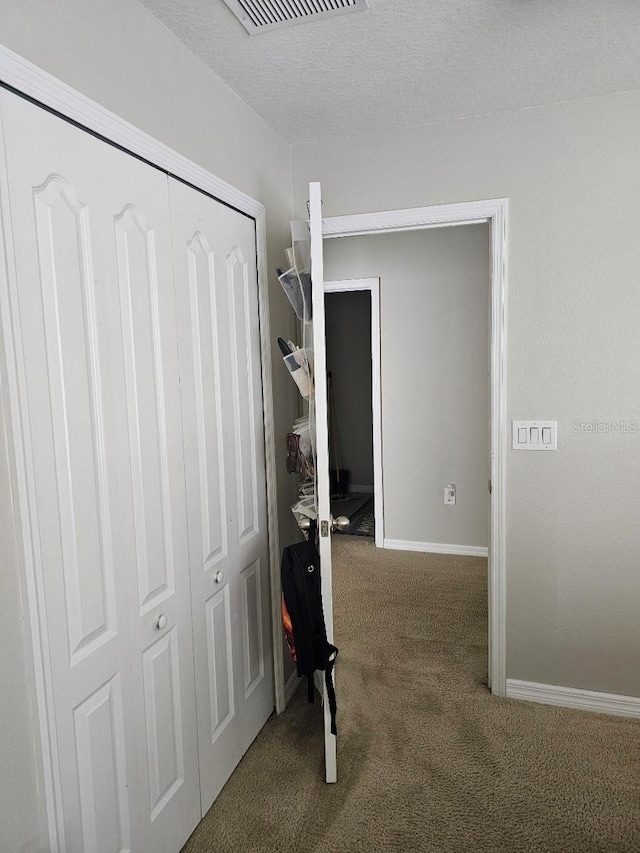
[322, 449]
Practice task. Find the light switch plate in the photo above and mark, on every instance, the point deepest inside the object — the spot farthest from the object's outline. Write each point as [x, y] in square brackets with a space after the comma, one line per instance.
[534, 435]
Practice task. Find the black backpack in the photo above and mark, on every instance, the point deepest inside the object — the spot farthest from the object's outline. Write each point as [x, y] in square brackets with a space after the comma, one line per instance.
[303, 617]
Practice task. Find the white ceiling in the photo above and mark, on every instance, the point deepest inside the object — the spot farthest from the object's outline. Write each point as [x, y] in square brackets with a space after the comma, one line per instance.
[411, 62]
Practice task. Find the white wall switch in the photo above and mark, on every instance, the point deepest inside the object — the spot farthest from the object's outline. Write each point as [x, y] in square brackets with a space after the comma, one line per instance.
[534, 435]
[450, 494]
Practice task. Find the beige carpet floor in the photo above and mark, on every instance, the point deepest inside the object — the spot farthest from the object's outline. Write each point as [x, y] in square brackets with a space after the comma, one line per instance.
[428, 759]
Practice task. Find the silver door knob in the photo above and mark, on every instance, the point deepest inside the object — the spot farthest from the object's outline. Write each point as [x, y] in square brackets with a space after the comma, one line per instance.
[161, 622]
[218, 577]
[340, 523]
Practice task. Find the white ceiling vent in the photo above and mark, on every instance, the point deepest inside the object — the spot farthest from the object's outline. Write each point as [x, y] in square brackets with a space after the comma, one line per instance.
[258, 16]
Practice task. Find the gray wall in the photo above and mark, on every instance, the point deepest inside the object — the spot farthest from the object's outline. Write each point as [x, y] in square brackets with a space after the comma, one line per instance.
[572, 174]
[117, 53]
[348, 333]
[434, 319]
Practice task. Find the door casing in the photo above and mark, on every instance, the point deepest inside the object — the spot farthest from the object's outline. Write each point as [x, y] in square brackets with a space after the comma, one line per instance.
[496, 213]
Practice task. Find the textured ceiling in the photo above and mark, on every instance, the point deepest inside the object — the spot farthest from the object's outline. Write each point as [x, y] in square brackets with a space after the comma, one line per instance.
[412, 62]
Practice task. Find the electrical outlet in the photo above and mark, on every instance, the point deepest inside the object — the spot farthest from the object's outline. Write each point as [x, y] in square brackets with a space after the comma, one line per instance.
[450, 494]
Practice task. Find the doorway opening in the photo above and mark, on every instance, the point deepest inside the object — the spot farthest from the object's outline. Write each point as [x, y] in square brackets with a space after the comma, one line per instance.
[495, 213]
[435, 297]
[352, 322]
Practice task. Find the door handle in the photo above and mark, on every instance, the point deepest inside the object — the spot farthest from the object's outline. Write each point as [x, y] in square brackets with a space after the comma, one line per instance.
[218, 577]
[161, 622]
[339, 523]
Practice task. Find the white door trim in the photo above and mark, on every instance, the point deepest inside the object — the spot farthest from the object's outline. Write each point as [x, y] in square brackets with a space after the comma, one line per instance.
[27, 79]
[494, 212]
[373, 286]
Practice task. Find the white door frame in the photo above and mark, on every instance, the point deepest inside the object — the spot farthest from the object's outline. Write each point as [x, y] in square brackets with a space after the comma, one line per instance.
[372, 285]
[495, 212]
[27, 79]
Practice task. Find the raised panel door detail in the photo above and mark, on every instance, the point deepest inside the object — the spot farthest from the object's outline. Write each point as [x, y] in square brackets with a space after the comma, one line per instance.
[251, 622]
[219, 648]
[69, 313]
[244, 388]
[138, 282]
[101, 771]
[165, 753]
[206, 367]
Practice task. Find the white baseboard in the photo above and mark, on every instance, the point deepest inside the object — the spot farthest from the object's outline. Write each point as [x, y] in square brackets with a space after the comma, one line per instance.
[361, 490]
[436, 548]
[571, 697]
[290, 687]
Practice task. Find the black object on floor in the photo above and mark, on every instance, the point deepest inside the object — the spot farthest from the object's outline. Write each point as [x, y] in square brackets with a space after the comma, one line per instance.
[361, 515]
[339, 480]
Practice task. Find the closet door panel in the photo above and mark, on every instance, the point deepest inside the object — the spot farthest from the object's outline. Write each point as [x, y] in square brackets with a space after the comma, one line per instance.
[99, 728]
[251, 626]
[149, 453]
[63, 318]
[203, 336]
[99, 392]
[219, 334]
[205, 370]
[243, 328]
[154, 512]
[220, 659]
[236, 235]
[164, 729]
[67, 302]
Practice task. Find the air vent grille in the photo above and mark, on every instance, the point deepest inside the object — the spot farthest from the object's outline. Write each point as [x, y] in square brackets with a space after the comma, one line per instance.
[257, 16]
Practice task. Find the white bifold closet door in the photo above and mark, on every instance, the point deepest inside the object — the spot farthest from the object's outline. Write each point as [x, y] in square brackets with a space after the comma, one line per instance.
[148, 543]
[219, 342]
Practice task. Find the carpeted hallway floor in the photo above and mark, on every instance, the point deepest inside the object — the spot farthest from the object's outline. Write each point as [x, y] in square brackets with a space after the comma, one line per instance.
[428, 760]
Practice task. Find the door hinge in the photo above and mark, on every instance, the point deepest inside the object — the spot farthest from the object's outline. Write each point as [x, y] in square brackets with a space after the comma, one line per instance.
[490, 487]
[324, 528]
